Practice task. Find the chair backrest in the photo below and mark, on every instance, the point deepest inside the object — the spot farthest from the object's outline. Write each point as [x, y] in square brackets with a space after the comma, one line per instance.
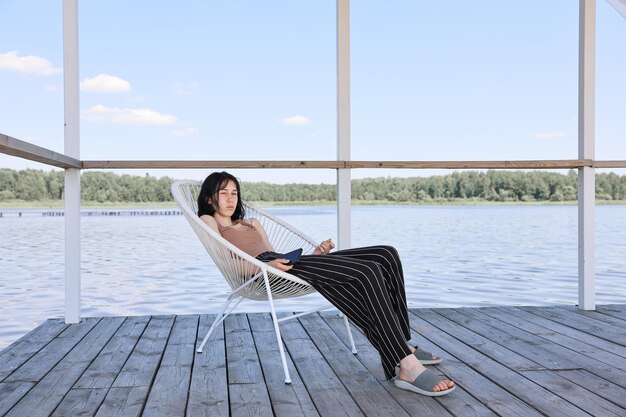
[236, 266]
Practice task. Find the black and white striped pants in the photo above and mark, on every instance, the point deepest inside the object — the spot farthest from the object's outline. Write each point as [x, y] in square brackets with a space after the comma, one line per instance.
[367, 285]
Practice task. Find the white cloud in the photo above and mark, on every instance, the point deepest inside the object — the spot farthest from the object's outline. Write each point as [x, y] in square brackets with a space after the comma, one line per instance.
[188, 131]
[296, 121]
[29, 64]
[104, 83]
[550, 135]
[135, 117]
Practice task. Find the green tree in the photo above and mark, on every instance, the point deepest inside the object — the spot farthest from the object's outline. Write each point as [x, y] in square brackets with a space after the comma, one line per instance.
[8, 181]
[31, 185]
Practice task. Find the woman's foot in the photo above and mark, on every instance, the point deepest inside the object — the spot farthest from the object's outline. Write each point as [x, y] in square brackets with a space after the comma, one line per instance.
[413, 376]
[426, 358]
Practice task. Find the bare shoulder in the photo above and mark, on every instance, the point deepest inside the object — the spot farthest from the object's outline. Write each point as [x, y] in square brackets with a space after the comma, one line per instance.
[255, 222]
[210, 221]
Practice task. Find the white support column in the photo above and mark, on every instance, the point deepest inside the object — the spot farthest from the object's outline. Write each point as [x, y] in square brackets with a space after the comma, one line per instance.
[344, 188]
[72, 149]
[586, 150]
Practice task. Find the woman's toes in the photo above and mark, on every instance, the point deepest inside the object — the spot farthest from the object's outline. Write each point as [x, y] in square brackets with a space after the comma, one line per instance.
[443, 385]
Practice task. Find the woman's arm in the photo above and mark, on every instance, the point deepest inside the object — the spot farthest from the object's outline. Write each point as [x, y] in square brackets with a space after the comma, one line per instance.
[324, 247]
[210, 221]
[280, 264]
[247, 269]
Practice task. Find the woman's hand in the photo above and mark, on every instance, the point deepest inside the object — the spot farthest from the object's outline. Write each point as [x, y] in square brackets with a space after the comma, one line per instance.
[281, 264]
[324, 247]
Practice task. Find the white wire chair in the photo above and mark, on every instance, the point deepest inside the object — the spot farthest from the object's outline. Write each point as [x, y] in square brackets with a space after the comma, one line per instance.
[247, 276]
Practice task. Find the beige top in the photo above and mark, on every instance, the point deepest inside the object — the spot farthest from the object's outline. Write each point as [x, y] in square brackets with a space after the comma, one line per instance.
[247, 238]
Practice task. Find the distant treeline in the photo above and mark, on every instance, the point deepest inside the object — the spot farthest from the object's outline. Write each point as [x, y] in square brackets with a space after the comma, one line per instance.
[501, 186]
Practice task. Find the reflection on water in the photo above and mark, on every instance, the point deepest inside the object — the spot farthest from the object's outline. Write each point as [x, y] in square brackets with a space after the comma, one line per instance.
[453, 256]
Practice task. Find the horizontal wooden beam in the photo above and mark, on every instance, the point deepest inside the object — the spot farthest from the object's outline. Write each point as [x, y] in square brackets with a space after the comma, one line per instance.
[21, 149]
[209, 164]
[526, 164]
[609, 164]
[529, 164]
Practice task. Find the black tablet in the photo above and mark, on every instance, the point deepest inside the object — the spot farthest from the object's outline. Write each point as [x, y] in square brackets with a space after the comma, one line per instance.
[292, 257]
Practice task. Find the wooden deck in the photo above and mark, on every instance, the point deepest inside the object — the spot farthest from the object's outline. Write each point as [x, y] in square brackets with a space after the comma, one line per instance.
[507, 361]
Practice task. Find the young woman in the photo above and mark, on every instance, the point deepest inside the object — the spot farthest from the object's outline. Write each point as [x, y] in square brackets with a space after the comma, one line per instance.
[365, 284]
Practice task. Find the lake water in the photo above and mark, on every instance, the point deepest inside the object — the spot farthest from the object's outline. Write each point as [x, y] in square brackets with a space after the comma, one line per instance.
[453, 256]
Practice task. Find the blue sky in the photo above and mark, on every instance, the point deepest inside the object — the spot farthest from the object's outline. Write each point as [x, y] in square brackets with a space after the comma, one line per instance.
[220, 80]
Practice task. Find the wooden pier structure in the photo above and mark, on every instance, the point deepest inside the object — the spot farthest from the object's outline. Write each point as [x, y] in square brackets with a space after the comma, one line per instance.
[506, 361]
[92, 212]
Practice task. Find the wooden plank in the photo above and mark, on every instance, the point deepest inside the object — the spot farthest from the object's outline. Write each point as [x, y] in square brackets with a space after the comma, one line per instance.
[342, 164]
[203, 164]
[597, 385]
[246, 386]
[467, 379]
[81, 402]
[547, 353]
[168, 394]
[615, 310]
[123, 402]
[11, 393]
[35, 368]
[46, 395]
[72, 373]
[365, 389]
[511, 164]
[87, 394]
[511, 339]
[367, 354]
[131, 386]
[15, 147]
[20, 352]
[14, 355]
[326, 390]
[552, 327]
[610, 164]
[26, 150]
[142, 364]
[578, 344]
[508, 380]
[491, 341]
[288, 400]
[584, 399]
[105, 368]
[588, 325]
[459, 403]
[208, 394]
[605, 319]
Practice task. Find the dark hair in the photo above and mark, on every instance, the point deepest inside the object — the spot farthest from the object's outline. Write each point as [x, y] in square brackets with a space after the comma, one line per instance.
[209, 195]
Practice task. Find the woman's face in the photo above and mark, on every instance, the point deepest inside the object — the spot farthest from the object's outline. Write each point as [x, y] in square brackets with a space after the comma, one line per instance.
[227, 199]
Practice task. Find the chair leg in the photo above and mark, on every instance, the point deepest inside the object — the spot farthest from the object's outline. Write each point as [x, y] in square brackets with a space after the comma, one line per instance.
[206, 338]
[345, 319]
[277, 329]
[218, 319]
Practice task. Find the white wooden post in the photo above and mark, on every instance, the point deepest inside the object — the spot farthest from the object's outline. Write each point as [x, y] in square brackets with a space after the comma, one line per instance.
[344, 188]
[586, 150]
[72, 148]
